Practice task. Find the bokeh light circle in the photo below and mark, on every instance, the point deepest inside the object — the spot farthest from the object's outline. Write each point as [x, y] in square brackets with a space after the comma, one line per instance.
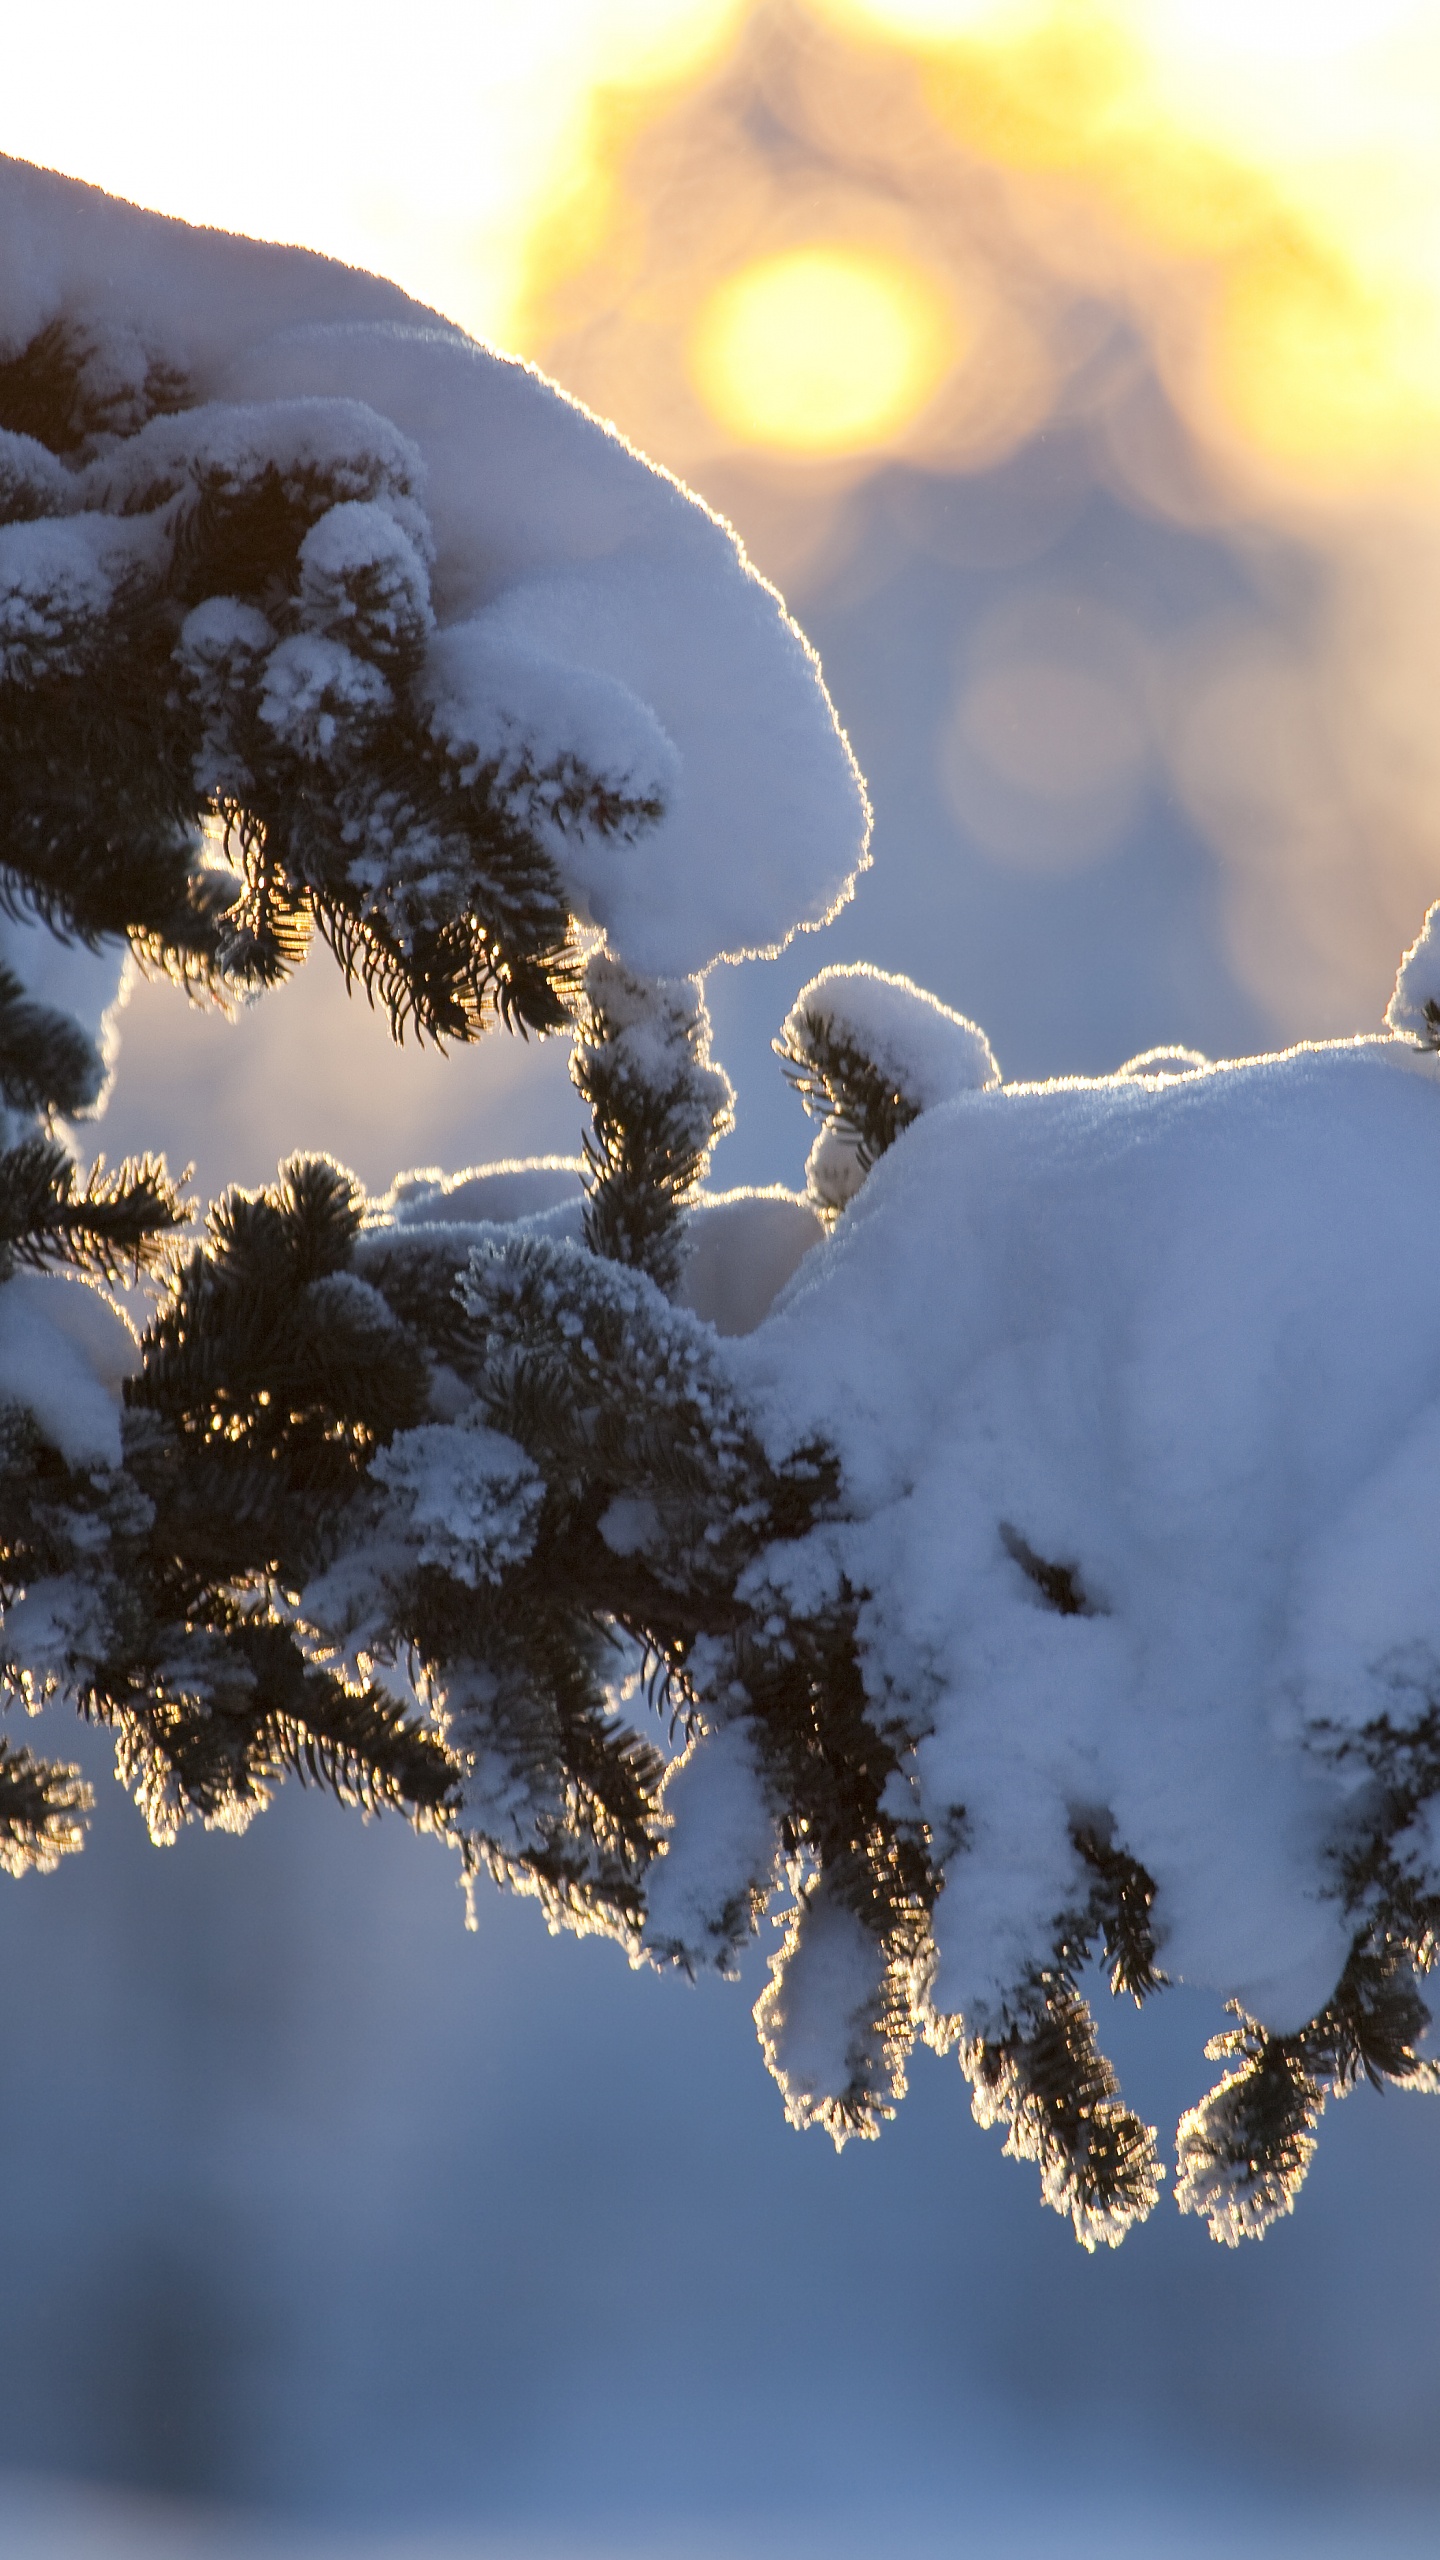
[823, 350]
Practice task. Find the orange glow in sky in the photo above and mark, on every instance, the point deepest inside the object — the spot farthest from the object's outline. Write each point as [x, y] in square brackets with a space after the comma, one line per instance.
[422, 142]
[1283, 155]
[1260, 179]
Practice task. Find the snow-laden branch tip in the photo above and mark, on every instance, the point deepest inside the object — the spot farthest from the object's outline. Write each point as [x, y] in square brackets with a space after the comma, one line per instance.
[595, 620]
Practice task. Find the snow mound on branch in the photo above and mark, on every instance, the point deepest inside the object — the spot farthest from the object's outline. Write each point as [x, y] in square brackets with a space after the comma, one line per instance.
[930, 1052]
[869, 1052]
[472, 1497]
[1179, 1338]
[741, 1247]
[536, 723]
[52, 582]
[600, 598]
[484, 1195]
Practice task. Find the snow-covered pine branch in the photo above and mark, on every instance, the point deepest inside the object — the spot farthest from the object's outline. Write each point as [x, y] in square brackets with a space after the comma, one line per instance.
[316, 617]
[1012, 1558]
[1046, 1582]
[867, 1053]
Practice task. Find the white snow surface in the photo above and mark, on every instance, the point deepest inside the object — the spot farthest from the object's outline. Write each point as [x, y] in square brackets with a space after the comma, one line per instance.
[741, 1248]
[603, 599]
[1180, 1335]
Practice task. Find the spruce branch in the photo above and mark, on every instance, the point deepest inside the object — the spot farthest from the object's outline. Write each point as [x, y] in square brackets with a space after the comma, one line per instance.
[1246, 2149]
[209, 1730]
[837, 1080]
[276, 1372]
[104, 1225]
[241, 635]
[47, 1063]
[1049, 2082]
[42, 1804]
[1118, 1914]
[868, 1053]
[657, 1103]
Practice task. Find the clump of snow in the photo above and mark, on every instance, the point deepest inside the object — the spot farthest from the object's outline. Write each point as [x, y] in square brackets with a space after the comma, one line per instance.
[315, 692]
[703, 1897]
[221, 651]
[867, 1053]
[741, 1248]
[361, 572]
[928, 1051]
[574, 755]
[33, 481]
[53, 583]
[1415, 1005]
[835, 1168]
[609, 601]
[816, 2018]
[1179, 1337]
[64, 1351]
[470, 1497]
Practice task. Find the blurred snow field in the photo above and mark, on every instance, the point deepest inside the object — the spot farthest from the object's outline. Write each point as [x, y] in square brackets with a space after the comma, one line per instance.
[1172, 2521]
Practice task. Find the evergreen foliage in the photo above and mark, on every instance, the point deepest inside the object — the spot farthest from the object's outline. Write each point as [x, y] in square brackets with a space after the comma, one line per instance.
[100, 1225]
[216, 619]
[657, 1105]
[479, 1525]
[868, 1053]
[46, 1062]
[837, 1081]
[41, 1804]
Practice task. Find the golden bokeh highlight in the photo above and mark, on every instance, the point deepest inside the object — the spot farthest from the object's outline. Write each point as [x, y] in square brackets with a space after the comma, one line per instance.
[823, 350]
[1256, 181]
[1317, 369]
[1264, 173]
